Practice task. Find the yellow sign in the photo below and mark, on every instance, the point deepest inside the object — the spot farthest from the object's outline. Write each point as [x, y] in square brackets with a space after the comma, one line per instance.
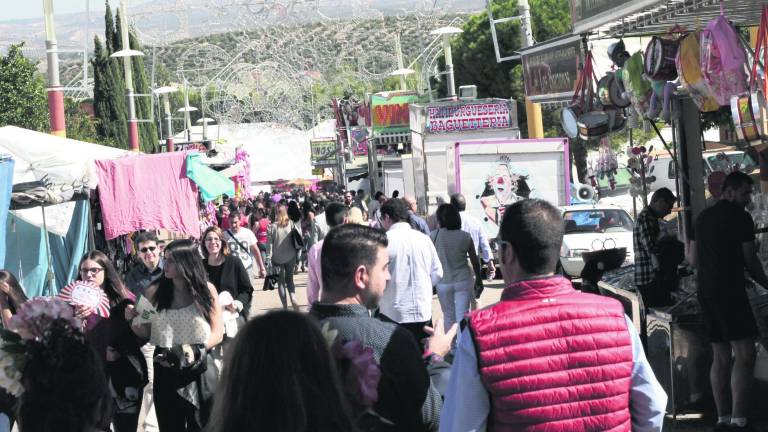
[318, 171]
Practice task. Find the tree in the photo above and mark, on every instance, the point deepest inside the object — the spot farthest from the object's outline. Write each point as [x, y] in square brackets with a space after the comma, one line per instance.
[23, 101]
[110, 105]
[80, 125]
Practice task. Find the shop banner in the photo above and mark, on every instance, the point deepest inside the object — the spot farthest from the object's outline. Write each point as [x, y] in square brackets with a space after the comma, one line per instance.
[389, 113]
[323, 152]
[590, 14]
[550, 69]
[460, 117]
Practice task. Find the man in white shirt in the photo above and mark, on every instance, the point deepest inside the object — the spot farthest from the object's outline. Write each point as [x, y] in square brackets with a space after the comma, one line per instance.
[243, 244]
[414, 267]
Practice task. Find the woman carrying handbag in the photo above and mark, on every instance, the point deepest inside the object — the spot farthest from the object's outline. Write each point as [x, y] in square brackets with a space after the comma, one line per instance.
[283, 243]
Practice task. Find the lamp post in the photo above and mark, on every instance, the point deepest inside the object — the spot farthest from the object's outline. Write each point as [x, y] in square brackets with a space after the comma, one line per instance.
[186, 109]
[126, 53]
[55, 91]
[163, 92]
[445, 35]
[204, 121]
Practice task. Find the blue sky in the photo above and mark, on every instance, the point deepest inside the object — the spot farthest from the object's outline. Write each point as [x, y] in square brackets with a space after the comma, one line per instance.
[34, 8]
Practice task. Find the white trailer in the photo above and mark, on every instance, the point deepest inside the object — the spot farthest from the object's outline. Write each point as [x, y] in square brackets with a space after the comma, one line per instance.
[436, 126]
[492, 174]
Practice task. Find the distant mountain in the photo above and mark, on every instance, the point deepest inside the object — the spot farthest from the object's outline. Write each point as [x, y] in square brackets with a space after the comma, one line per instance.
[163, 22]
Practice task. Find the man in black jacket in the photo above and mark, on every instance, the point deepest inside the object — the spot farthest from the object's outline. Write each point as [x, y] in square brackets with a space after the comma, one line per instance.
[354, 270]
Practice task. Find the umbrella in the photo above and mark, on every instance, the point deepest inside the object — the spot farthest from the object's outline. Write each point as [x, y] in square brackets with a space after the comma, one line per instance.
[300, 182]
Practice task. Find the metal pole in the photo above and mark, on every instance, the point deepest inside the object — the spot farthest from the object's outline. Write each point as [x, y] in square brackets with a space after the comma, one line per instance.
[449, 66]
[55, 90]
[168, 124]
[133, 126]
[532, 110]
[400, 63]
[187, 118]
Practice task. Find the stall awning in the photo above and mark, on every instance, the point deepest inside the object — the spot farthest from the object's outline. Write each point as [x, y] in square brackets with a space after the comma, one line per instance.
[645, 17]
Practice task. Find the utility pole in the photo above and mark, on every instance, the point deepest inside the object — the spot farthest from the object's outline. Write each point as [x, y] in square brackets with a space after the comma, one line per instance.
[163, 92]
[445, 36]
[55, 91]
[532, 110]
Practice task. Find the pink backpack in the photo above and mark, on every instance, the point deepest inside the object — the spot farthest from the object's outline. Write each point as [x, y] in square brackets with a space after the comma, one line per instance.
[723, 60]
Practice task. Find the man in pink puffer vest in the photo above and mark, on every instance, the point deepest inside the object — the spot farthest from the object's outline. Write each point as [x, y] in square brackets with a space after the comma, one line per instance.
[547, 357]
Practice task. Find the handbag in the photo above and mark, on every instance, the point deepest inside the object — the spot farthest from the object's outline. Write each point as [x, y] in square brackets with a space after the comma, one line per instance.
[298, 238]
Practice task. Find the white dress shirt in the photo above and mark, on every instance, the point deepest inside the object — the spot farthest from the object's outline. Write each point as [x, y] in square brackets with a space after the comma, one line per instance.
[468, 405]
[474, 227]
[414, 268]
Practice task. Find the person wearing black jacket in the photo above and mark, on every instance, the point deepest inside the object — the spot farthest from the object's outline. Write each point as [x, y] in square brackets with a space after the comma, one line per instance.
[355, 272]
[226, 271]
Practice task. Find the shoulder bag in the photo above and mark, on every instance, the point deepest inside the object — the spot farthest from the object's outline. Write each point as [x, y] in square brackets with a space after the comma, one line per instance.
[298, 238]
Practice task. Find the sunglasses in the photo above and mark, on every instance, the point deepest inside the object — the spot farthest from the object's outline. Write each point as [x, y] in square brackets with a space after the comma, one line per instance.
[94, 270]
[148, 249]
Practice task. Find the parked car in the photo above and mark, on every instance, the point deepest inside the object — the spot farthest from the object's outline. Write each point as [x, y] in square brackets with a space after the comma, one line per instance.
[663, 169]
[591, 227]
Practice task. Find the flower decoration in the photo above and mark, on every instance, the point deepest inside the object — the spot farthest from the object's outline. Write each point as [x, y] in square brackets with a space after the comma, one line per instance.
[27, 330]
[358, 368]
[361, 373]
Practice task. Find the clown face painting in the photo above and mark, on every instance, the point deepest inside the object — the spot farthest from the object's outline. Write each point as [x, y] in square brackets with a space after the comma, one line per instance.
[504, 186]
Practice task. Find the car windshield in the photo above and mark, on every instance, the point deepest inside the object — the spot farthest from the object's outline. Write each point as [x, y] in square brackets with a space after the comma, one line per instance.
[591, 221]
[723, 162]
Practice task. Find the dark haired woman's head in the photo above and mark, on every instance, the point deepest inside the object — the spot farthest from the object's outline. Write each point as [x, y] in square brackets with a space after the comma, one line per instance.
[65, 388]
[294, 213]
[95, 267]
[183, 265]
[448, 217]
[213, 242]
[16, 291]
[281, 377]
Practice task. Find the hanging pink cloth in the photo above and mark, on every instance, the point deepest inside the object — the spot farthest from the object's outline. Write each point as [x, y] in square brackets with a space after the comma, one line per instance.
[147, 192]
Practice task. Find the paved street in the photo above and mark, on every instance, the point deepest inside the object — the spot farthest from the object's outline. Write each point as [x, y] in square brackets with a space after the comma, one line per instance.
[264, 301]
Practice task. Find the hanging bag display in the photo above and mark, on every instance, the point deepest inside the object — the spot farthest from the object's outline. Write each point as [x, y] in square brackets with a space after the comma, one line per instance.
[748, 108]
[723, 59]
[689, 71]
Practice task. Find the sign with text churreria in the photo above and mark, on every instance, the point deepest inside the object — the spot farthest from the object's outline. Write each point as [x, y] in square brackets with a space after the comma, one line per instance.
[323, 152]
[550, 69]
[462, 117]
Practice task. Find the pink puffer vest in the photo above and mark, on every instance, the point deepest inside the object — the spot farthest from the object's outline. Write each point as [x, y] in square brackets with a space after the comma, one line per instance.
[554, 359]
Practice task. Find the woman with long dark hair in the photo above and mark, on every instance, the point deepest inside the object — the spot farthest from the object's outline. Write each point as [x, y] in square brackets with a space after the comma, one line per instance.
[65, 388]
[281, 376]
[187, 325]
[11, 296]
[116, 345]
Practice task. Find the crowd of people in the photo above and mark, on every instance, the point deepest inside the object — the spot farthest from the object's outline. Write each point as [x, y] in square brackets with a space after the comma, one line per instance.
[179, 343]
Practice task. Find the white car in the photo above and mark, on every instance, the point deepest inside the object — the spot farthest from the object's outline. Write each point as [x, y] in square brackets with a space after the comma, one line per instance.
[594, 227]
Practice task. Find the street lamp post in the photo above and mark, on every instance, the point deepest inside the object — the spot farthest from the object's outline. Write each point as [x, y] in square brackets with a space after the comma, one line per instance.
[163, 92]
[186, 109]
[55, 91]
[126, 53]
[445, 35]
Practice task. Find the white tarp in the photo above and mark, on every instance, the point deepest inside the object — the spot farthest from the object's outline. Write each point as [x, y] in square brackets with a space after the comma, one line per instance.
[274, 151]
[63, 161]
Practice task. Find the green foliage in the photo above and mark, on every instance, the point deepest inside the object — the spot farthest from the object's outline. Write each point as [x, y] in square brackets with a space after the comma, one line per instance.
[23, 100]
[80, 125]
[110, 104]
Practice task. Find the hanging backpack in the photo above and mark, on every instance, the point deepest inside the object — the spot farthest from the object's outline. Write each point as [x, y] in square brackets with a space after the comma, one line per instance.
[723, 60]
[689, 71]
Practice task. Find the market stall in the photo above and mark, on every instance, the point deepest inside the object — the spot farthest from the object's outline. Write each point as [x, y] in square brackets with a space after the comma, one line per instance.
[697, 66]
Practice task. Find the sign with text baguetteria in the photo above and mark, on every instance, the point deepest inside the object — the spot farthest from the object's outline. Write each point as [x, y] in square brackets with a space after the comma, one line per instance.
[323, 152]
[460, 117]
[550, 69]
